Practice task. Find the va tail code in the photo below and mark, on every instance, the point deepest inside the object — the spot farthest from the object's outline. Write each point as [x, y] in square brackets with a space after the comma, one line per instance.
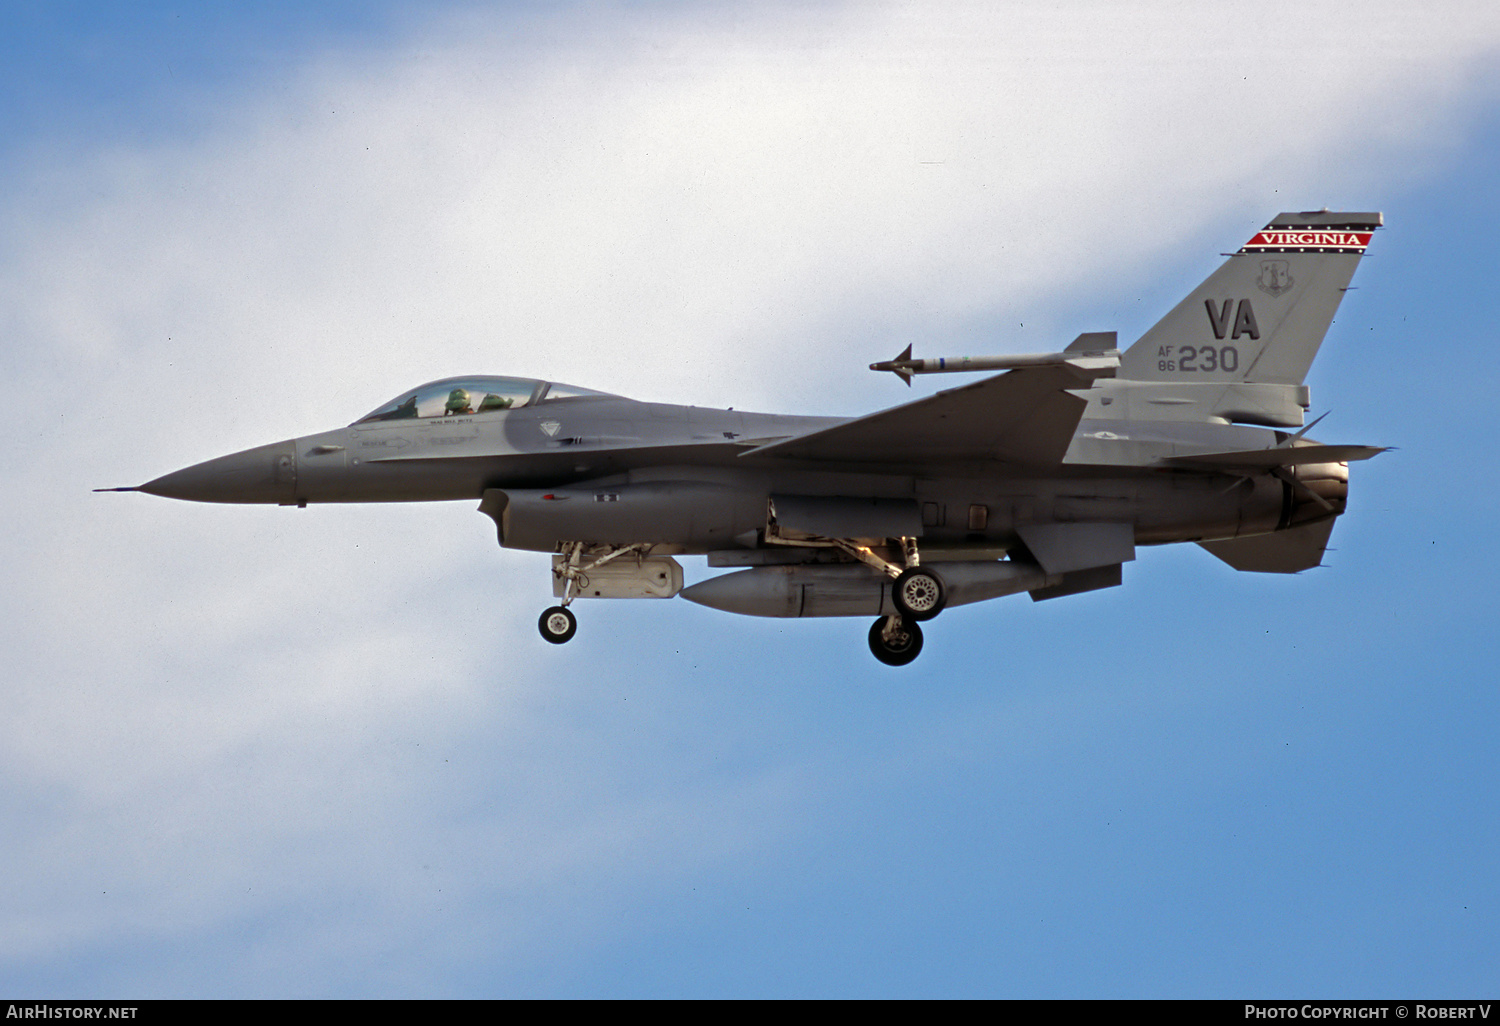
[1244, 319]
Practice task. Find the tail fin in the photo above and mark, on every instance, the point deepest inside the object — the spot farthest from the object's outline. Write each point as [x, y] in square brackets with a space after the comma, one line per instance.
[1262, 315]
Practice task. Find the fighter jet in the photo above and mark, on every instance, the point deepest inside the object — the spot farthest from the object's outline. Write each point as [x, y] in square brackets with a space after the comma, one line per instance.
[1044, 479]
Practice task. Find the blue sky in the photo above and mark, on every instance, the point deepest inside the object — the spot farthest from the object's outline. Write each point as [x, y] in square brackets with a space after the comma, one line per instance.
[272, 752]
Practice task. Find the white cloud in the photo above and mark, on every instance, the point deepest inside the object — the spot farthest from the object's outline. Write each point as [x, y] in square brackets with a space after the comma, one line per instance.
[712, 206]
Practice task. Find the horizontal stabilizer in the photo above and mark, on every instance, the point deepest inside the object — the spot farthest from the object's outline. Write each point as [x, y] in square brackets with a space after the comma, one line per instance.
[1022, 417]
[1269, 459]
[1285, 552]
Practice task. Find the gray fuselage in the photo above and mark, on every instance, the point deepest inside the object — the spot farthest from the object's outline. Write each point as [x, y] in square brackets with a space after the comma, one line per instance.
[685, 478]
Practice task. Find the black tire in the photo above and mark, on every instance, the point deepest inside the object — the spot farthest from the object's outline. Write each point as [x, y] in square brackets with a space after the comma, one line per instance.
[918, 594]
[558, 625]
[900, 650]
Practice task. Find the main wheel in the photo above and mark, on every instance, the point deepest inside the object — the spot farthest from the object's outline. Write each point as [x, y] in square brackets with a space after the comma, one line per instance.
[918, 594]
[558, 625]
[902, 646]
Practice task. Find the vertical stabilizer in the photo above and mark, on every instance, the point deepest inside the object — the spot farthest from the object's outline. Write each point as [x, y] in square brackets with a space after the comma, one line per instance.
[1262, 315]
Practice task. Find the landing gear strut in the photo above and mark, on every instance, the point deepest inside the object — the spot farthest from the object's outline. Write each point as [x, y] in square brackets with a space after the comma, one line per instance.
[916, 592]
[558, 624]
[895, 640]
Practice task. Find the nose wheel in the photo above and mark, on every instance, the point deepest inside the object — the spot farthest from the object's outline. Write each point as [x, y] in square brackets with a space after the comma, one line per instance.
[895, 640]
[558, 625]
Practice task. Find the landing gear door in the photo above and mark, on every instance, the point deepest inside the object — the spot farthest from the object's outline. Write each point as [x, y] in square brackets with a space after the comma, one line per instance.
[647, 577]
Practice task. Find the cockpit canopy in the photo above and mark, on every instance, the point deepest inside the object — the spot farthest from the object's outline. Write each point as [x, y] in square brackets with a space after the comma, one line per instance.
[462, 397]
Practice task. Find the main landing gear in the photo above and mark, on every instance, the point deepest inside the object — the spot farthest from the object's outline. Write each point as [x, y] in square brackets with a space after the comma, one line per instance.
[895, 640]
[919, 594]
[916, 592]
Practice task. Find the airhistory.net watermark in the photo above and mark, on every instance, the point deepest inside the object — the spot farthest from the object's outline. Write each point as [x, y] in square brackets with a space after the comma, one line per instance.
[42, 1010]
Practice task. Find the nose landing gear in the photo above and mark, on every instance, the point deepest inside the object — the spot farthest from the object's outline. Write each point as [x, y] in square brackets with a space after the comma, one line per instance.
[573, 566]
[558, 625]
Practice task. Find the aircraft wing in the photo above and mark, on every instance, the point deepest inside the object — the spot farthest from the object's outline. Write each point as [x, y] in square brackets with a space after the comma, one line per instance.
[1270, 459]
[1025, 416]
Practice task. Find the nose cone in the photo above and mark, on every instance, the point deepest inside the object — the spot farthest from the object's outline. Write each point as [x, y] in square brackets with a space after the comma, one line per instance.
[267, 473]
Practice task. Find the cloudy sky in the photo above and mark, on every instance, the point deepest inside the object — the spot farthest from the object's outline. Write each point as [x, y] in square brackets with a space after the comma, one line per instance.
[277, 752]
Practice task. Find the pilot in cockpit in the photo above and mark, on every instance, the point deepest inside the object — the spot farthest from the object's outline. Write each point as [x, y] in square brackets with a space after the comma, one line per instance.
[463, 397]
[458, 403]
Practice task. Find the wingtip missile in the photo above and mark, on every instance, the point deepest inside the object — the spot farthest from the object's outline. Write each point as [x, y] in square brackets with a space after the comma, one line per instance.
[1092, 353]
